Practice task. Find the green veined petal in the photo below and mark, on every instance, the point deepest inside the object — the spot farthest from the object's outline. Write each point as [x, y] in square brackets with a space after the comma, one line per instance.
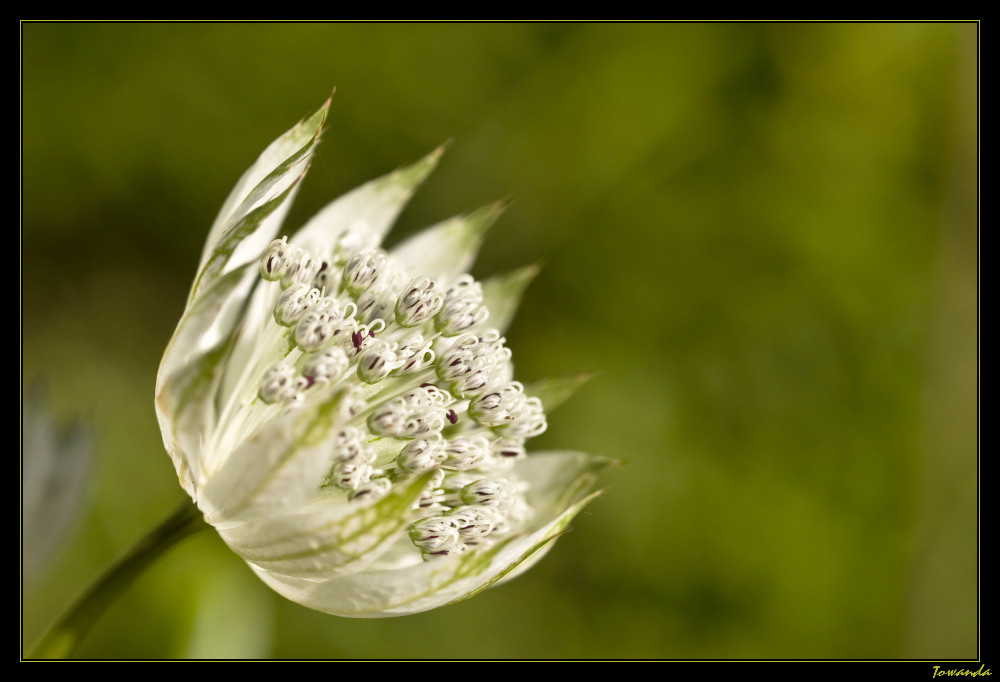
[293, 144]
[328, 537]
[559, 483]
[376, 594]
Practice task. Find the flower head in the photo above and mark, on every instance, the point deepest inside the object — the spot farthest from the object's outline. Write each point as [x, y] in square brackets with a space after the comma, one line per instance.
[346, 417]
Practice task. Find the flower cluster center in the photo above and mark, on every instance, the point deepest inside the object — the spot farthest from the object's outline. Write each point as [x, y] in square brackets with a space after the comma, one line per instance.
[427, 390]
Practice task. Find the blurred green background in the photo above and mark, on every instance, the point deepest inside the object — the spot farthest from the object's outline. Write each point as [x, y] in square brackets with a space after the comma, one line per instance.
[761, 237]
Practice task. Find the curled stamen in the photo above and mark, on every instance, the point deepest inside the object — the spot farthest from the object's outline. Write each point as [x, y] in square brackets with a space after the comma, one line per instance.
[475, 363]
[375, 304]
[530, 422]
[498, 406]
[357, 338]
[484, 376]
[327, 277]
[472, 521]
[352, 475]
[470, 351]
[416, 413]
[413, 355]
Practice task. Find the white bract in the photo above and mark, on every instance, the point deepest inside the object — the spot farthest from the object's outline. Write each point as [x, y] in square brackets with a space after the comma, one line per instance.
[347, 417]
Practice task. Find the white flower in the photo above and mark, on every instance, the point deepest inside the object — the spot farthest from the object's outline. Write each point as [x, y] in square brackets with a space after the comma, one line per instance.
[343, 415]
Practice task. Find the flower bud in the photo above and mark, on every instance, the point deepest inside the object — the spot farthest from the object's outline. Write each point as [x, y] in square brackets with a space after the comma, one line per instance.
[282, 384]
[373, 490]
[275, 260]
[364, 270]
[349, 447]
[302, 268]
[321, 323]
[327, 278]
[326, 366]
[352, 475]
[498, 406]
[421, 300]
[463, 307]
[293, 303]
[434, 534]
[420, 455]
[463, 452]
[377, 362]
[472, 521]
[417, 413]
[494, 492]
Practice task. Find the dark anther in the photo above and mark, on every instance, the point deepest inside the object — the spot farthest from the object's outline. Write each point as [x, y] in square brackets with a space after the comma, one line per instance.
[452, 416]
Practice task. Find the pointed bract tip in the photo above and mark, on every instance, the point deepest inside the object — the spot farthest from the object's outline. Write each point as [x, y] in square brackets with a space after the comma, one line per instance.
[435, 156]
[529, 272]
[482, 218]
[411, 176]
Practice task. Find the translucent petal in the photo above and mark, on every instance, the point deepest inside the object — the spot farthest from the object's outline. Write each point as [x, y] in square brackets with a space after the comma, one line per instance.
[212, 317]
[185, 408]
[360, 219]
[275, 471]
[248, 235]
[449, 248]
[557, 390]
[502, 295]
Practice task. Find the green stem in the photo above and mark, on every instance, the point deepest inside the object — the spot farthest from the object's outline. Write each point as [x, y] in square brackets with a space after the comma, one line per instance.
[65, 636]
